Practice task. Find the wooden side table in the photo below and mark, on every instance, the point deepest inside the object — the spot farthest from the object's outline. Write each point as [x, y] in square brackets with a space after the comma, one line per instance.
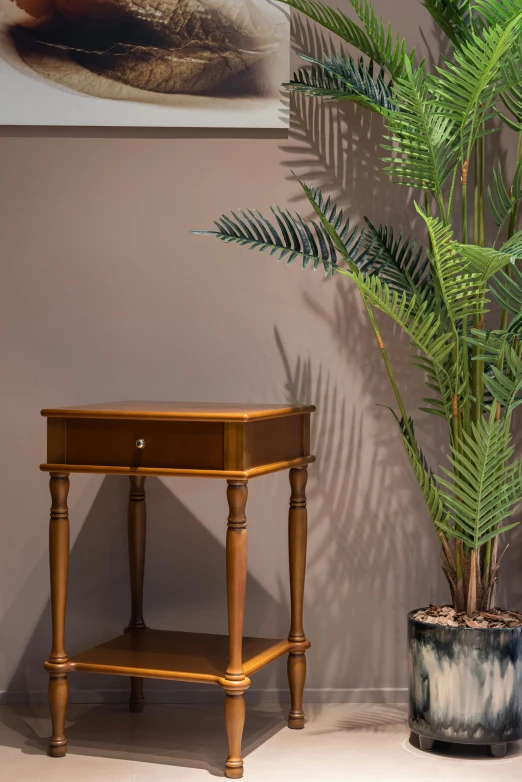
[230, 441]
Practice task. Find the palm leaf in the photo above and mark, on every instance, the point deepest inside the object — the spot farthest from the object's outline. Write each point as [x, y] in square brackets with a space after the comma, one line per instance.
[498, 12]
[503, 202]
[331, 220]
[338, 77]
[419, 137]
[453, 17]
[440, 380]
[511, 96]
[484, 488]
[393, 53]
[484, 261]
[425, 479]
[372, 39]
[505, 389]
[513, 246]
[397, 262]
[289, 236]
[507, 290]
[467, 89]
[501, 350]
[415, 315]
[462, 290]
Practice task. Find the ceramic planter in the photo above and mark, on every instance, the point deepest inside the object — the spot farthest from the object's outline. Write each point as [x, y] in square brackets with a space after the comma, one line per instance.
[465, 685]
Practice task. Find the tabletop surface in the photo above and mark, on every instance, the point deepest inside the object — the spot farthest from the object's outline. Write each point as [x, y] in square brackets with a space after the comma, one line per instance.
[179, 411]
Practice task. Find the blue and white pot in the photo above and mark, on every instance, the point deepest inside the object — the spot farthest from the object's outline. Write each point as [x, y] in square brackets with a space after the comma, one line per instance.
[465, 685]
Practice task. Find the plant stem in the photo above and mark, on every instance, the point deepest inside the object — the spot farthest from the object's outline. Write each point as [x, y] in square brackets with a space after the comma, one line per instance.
[427, 209]
[477, 367]
[487, 563]
[455, 422]
[464, 183]
[478, 187]
[482, 204]
[393, 382]
[513, 223]
[459, 576]
[471, 606]
[477, 371]
[449, 210]
[465, 370]
[476, 197]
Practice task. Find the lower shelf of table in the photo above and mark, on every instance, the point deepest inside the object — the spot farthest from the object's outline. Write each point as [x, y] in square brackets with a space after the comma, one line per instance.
[163, 654]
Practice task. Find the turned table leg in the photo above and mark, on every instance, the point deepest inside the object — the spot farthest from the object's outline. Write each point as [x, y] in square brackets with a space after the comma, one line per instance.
[59, 565]
[297, 534]
[235, 681]
[137, 531]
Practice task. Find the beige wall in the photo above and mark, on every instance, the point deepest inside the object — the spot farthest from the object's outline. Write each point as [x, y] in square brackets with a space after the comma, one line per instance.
[105, 296]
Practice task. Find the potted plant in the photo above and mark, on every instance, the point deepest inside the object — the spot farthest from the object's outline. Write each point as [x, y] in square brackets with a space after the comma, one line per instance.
[466, 658]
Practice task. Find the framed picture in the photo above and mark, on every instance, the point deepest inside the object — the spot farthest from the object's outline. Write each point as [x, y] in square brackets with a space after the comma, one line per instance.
[148, 63]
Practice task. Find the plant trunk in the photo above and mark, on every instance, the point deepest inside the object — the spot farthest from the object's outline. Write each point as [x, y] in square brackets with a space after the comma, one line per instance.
[473, 583]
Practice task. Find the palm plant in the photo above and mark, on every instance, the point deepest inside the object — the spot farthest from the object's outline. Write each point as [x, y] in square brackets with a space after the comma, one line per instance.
[436, 124]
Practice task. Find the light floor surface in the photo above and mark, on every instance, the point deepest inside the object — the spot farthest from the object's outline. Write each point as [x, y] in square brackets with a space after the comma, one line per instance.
[171, 743]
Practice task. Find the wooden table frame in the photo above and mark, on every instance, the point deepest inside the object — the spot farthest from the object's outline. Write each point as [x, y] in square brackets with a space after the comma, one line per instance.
[251, 437]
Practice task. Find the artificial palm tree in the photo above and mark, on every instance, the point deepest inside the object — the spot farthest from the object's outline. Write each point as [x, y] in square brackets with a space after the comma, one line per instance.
[436, 124]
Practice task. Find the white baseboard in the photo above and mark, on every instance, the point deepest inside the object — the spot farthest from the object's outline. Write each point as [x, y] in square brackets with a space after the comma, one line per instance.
[210, 695]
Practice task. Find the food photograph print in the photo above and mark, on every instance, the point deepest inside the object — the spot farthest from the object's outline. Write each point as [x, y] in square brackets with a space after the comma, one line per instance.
[148, 63]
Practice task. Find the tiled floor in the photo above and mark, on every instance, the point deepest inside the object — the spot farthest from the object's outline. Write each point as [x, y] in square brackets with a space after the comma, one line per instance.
[357, 743]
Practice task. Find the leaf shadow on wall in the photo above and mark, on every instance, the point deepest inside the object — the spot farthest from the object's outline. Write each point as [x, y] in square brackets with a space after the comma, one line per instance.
[336, 145]
[367, 556]
[185, 589]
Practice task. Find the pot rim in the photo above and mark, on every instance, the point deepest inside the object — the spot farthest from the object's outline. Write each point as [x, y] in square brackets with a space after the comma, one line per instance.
[412, 619]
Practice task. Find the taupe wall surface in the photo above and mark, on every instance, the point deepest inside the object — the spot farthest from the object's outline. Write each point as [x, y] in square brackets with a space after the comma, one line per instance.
[106, 296]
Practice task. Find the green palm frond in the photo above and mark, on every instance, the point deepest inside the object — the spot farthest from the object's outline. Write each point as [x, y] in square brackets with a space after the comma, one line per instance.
[397, 262]
[513, 246]
[492, 344]
[467, 88]
[373, 39]
[420, 138]
[484, 261]
[293, 237]
[440, 380]
[415, 315]
[498, 351]
[430, 490]
[453, 17]
[507, 290]
[503, 202]
[393, 52]
[484, 487]
[423, 473]
[331, 220]
[498, 12]
[506, 386]
[511, 96]
[462, 290]
[325, 242]
[339, 77]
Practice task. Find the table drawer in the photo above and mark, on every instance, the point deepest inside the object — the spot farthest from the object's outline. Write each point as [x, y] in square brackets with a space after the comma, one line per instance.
[168, 444]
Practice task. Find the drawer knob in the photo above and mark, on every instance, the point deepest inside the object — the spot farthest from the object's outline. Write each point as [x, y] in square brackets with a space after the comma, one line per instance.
[140, 443]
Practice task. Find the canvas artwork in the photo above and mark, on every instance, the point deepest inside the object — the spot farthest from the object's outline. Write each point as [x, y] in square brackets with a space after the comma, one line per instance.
[170, 63]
